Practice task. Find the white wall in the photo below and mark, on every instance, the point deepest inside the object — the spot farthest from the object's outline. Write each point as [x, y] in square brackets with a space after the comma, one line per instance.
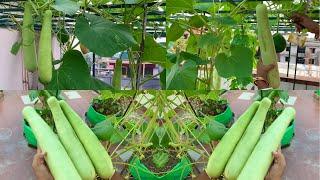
[11, 66]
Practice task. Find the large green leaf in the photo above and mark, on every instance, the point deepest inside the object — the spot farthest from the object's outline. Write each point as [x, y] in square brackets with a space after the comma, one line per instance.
[198, 21]
[239, 64]
[66, 6]
[192, 57]
[182, 77]
[153, 51]
[215, 130]
[208, 40]
[224, 20]
[174, 32]
[102, 36]
[74, 74]
[174, 6]
[103, 130]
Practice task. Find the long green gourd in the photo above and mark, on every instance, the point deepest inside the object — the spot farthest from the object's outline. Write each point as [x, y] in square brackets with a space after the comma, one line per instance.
[57, 159]
[247, 142]
[97, 153]
[45, 47]
[28, 39]
[71, 142]
[261, 158]
[267, 49]
[219, 157]
[117, 75]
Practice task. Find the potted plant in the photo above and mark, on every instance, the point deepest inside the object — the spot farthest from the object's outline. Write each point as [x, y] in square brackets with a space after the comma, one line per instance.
[109, 104]
[210, 104]
[160, 165]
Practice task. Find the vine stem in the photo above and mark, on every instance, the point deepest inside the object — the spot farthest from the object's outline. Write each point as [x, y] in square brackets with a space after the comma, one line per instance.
[143, 37]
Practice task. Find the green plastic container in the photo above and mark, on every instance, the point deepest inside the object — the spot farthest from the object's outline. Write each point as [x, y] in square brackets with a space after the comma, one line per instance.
[140, 171]
[317, 93]
[28, 134]
[95, 117]
[225, 118]
[288, 135]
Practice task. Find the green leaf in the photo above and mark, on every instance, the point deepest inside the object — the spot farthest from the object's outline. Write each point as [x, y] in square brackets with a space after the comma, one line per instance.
[203, 6]
[160, 132]
[192, 46]
[225, 20]
[33, 94]
[118, 136]
[174, 32]
[63, 36]
[202, 135]
[103, 130]
[66, 6]
[91, 30]
[215, 130]
[214, 95]
[15, 47]
[208, 40]
[163, 79]
[160, 159]
[153, 51]
[99, 2]
[74, 74]
[192, 57]
[239, 64]
[198, 21]
[182, 77]
[106, 94]
[174, 6]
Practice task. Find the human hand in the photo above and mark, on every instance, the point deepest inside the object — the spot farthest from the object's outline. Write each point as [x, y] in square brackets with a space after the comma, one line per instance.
[303, 21]
[262, 72]
[39, 166]
[277, 168]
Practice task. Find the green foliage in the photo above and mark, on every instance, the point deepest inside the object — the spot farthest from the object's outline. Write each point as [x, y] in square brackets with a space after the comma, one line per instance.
[91, 30]
[237, 64]
[160, 159]
[182, 77]
[104, 130]
[215, 130]
[153, 51]
[66, 6]
[280, 42]
[63, 36]
[174, 32]
[198, 21]
[66, 77]
[16, 47]
[174, 6]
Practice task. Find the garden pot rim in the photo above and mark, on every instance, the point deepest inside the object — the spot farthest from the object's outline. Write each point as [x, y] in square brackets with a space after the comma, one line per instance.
[135, 159]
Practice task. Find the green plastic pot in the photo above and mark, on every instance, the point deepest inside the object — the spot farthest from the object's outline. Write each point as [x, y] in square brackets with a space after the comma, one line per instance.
[288, 135]
[28, 134]
[317, 93]
[179, 171]
[225, 117]
[95, 117]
